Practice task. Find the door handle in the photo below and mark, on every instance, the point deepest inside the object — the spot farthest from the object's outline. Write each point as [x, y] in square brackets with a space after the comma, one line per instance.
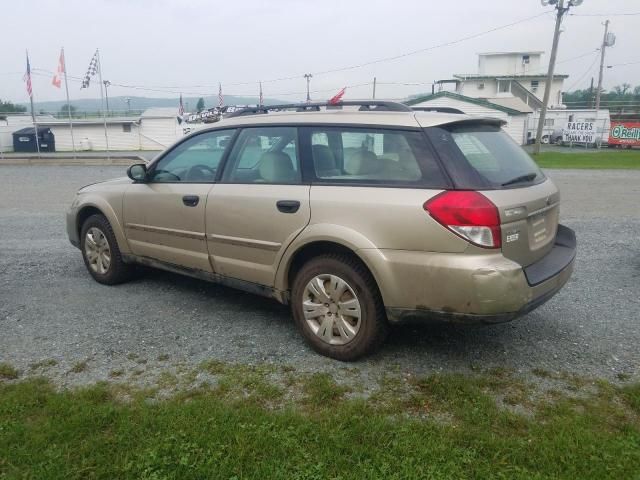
[190, 200]
[288, 206]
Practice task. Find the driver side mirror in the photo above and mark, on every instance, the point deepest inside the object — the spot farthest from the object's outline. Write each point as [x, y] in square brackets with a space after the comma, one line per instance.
[137, 172]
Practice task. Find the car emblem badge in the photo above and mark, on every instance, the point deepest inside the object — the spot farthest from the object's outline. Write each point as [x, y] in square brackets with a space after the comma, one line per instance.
[513, 236]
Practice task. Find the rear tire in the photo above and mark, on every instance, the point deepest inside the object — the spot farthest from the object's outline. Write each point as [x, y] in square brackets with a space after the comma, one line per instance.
[336, 304]
[100, 252]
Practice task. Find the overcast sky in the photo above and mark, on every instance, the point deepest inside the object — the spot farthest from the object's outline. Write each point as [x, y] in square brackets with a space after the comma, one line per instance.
[191, 45]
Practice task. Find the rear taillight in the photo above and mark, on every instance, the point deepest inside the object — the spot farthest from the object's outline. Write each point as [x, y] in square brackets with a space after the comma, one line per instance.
[469, 215]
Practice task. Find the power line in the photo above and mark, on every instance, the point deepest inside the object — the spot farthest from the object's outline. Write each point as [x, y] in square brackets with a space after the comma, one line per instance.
[433, 47]
[623, 64]
[584, 74]
[604, 14]
[342, 69]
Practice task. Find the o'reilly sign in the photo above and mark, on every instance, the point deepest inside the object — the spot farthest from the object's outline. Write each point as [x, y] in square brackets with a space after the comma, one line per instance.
[579, 132]
[625, 133]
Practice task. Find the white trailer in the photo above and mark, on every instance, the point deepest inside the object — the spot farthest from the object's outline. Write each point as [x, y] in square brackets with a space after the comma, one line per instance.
[558, 120]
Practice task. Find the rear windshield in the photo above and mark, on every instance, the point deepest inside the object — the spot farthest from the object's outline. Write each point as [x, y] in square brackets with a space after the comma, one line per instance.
[483, 157]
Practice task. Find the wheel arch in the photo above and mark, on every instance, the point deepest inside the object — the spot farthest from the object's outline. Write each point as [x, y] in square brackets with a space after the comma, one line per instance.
[101, 207]
[318, 242]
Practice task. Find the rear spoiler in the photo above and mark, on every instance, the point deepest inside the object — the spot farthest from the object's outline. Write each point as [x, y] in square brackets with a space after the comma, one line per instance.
[497, 122]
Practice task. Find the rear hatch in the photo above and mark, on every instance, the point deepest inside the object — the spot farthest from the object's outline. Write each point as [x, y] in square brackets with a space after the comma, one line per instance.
[480, 156]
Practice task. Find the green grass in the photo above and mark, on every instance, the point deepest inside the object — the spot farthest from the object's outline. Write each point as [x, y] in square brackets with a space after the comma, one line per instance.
[80, 367]
[8, 372]
[43, 364]
[604, 159]
[441, 426]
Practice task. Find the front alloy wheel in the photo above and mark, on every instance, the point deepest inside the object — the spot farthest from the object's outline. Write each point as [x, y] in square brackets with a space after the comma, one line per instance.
[97, 251]
[101, 253]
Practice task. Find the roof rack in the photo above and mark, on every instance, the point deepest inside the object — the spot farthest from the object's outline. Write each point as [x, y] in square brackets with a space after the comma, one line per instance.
[438, 109]
[365, 105]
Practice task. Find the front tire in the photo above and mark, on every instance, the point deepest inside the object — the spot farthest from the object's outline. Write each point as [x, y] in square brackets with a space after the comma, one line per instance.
[336, 304]
[100, 252]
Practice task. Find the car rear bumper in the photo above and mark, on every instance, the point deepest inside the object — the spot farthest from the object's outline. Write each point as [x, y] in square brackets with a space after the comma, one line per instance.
[484, 288]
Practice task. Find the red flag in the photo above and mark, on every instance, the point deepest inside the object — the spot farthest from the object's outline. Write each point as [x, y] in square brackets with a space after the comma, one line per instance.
[57, 77]
[338, 97]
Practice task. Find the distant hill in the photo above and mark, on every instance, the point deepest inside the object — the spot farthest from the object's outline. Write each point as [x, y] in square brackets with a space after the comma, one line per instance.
[142, 103]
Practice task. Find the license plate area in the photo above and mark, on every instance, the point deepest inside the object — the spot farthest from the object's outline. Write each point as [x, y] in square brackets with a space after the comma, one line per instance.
[542, 228]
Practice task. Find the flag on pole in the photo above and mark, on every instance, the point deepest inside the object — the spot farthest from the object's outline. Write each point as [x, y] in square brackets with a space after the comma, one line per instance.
[91, 71]
[181, 107]
[337, 98]
[261, 101]
[57, 77]
[27, 78]
[220, 97]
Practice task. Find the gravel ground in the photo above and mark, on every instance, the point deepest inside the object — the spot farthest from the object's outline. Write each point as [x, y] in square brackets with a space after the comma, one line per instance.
[52, 311]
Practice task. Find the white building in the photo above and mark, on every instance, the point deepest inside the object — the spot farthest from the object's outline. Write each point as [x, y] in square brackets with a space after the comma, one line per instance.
[155, 129]
[512, 110]
[510, 74]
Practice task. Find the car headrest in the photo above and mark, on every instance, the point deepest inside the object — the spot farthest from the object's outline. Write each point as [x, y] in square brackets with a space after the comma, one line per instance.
[276, 167]
[323, 158]
[362, 162]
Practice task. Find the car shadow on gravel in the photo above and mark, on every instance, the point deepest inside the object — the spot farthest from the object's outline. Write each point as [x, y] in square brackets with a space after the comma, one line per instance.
[184, 286]
[435, 340]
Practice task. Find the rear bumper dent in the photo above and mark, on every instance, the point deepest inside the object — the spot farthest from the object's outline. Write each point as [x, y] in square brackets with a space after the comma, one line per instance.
[405, 315]
[470, 288]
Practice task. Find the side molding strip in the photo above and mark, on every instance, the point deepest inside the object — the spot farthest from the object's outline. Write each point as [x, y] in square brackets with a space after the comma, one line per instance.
[246, 242]
[168, 231]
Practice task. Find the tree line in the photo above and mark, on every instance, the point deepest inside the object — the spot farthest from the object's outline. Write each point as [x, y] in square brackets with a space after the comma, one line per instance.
[621, 98]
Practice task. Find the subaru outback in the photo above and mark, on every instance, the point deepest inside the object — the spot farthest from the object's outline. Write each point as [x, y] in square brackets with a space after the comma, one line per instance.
[358, 215]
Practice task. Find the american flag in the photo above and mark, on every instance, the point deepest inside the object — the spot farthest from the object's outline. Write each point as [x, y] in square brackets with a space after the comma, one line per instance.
[261, 101]
[220, 97]
[337, 97]
[181, 107]
[91, 71]
[27, 78]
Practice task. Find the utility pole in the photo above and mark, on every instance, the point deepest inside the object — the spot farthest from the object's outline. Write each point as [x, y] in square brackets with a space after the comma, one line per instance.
[560, 11]
[374, 88]
[602, 49]
[308, 76]
[591, 94]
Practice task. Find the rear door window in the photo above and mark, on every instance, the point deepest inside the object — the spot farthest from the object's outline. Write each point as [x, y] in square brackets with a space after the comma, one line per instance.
[264, 155]
[372, 156]
[484, 157]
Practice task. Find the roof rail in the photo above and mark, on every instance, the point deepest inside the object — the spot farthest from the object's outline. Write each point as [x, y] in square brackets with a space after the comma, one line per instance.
[438, 109]
[365, 105]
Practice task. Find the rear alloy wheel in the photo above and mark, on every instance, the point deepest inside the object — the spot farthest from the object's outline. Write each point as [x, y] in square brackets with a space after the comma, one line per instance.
[337, 306]
[101, 253]
[331, 309]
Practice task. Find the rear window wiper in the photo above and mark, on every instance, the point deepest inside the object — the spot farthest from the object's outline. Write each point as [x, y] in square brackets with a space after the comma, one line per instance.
[522, 178]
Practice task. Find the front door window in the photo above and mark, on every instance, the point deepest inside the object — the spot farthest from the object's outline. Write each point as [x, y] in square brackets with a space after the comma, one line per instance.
[195, 160]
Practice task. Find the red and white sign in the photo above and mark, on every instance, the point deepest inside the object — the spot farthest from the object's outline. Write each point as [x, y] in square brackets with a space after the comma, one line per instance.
[625, 133]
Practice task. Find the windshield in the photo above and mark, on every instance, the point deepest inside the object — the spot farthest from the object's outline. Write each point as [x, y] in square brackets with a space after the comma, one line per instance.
[484, 157]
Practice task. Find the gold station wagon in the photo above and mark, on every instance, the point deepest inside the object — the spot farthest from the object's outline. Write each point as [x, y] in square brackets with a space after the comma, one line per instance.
[358, 215]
